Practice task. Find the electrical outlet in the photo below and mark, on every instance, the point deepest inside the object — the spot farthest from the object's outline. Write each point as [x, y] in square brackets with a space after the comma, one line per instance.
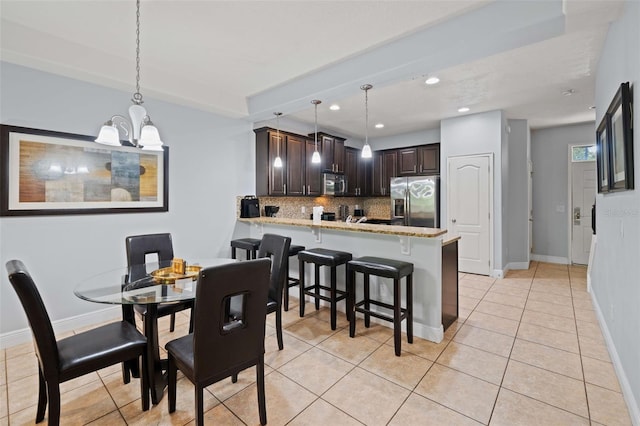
[303, 209]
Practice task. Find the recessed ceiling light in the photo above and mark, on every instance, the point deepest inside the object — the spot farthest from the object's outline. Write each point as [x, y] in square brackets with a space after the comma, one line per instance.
[568, 92]
[334, 107]
[463, 109]
[592, 107]
[432, 80]
[379, 126]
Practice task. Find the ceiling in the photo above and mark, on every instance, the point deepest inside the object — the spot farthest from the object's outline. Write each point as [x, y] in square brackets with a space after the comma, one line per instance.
[248, 59]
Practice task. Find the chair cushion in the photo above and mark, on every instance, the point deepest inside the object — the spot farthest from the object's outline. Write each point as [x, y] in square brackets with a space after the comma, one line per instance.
[294, 250]
[325, 257]
[182, 350]
[98, 348]
[381, 267]
[246, 243]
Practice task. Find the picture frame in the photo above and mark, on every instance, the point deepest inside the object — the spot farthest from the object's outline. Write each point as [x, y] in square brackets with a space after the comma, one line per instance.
[614, 138]
[54, 173]
[602, 158]
[621, 143]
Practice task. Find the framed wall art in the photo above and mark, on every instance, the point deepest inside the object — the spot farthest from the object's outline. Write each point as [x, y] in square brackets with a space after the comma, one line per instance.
[614, 137]
[54, 173]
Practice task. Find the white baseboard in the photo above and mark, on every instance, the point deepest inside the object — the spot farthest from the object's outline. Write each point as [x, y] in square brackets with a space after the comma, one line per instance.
[517, 265]
[499, 273]
[592, 253]
[625, 386]
[550, 259]
[17, 337]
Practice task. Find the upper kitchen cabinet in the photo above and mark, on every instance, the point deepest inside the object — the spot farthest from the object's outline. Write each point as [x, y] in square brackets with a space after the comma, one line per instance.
[270, 180]
[385, 166]
[313, 172]
[419, 160]
[332, 152]
[295, 165]
[358, 173]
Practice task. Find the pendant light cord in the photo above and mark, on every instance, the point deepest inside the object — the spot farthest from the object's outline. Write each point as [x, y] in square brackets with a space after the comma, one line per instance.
[366, 116]
[137, 97]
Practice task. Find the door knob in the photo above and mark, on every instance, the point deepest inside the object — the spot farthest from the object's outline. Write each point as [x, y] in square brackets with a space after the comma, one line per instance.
[453, 221]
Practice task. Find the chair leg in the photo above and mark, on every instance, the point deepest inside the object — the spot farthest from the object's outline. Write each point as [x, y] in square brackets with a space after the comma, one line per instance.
[53, 391]
[410, 308]
[199, 405]
[191, 318]
[279, 328]
[262, 405]
[317, 285]
[286, 286]
[301, 287]
[172, 324]
[42, 397]
[332, 293]
[367, 305]
[172, 376]
[234, 378]
[351, 296]
[396, 317]
[144, 381]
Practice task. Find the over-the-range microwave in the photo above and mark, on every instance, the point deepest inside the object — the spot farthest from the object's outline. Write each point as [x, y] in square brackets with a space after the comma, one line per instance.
[334, 184]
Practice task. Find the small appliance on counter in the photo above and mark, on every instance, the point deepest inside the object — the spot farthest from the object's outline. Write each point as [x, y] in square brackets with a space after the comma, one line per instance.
[329, 216]
[343, 211]
[249, 206]
[270, 211]
[358, 212]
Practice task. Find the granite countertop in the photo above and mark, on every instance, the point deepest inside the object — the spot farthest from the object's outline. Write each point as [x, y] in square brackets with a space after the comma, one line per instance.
[411, 231]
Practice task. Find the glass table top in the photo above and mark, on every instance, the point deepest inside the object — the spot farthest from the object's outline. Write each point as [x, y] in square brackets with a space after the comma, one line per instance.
[150, 283]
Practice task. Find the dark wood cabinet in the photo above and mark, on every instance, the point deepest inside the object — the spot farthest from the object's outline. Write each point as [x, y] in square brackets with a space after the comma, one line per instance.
[385, 166]
[313, 172]
[419, 160]
[295, 165]
[270, 180]
[333, 152]
[357, 170]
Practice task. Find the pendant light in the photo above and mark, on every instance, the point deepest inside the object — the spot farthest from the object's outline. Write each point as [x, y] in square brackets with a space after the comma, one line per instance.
[278, 161]
[140, 131]
[366, 149]
[315, 158]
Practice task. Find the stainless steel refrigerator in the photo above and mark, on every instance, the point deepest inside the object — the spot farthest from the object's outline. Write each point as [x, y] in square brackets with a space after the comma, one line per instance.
[415, 201]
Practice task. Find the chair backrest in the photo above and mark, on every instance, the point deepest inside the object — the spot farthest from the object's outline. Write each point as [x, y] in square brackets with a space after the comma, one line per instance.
[139, 246]
[277, 248]
[219, 344]
[45, 339]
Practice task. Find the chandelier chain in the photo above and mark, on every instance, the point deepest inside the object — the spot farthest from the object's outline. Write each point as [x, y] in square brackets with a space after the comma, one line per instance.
[366, 116]
[137, 97]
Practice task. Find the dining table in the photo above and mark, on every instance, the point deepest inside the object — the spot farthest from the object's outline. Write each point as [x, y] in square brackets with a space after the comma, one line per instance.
[149, 284]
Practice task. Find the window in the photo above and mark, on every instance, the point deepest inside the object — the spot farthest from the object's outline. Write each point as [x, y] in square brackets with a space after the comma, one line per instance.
[583, 153]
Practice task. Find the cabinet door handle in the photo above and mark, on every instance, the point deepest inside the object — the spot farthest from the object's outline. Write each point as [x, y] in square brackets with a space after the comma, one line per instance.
[414, 169]
[421, 168]
[303, 190]
[308, 189]
[284, 188]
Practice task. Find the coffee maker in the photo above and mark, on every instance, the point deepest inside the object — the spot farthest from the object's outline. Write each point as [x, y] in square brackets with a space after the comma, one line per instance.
[270, 211]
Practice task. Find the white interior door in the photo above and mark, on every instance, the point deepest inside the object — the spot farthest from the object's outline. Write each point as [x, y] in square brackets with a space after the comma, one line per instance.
[469, 211]
[583, 194]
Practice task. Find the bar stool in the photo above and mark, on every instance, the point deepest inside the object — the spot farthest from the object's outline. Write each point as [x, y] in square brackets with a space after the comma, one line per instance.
[291, 281]
[250, 245]
[323, 257]
[387, 268]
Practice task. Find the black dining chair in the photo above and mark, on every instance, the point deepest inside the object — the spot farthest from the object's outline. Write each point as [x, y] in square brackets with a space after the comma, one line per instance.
[138, 247]
[77, 355]
[222, 345]
[276, 247]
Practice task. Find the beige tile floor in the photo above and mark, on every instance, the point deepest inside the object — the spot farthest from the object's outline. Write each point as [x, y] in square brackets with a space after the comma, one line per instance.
[526, 350]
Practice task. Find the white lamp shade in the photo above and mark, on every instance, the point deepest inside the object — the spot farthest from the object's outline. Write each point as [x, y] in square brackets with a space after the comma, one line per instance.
[366, 151]
[315, 158]
[277, 162]
[137, 114]
[108, 136]
[150, 138]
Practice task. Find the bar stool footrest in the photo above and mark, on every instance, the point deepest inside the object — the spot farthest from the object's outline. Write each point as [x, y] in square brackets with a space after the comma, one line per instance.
[310, 291]
[357, 308]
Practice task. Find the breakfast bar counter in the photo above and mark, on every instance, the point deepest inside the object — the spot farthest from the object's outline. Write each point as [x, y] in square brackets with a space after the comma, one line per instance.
[434, 273]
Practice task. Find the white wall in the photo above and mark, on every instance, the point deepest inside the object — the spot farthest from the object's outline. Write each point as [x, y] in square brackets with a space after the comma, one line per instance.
[549, 154]
[616, 269]
[211, 161]
[421, 137]
[469, 135]
[517, 247]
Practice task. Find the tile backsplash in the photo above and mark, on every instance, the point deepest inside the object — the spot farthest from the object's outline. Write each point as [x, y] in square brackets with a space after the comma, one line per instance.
[291, 207]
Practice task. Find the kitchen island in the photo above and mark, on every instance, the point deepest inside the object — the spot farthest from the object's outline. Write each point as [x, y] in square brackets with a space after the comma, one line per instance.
[423, 247]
